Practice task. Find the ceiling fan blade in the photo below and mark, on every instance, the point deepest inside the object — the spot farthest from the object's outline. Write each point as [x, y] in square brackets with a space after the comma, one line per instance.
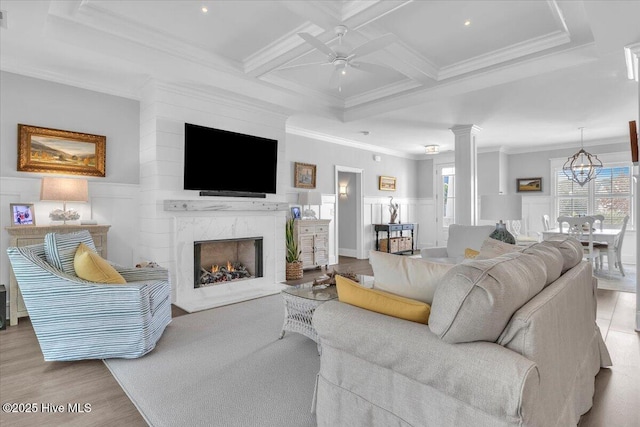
[317, 44]
[373, 45]
[370, 68]
[309, 64]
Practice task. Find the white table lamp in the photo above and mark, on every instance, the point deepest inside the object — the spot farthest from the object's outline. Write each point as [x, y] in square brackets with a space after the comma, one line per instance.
[64, 190]
[307, 199]
[501, 207]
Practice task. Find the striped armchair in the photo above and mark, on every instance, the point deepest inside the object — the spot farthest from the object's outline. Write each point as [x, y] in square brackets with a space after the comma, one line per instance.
[75, 319]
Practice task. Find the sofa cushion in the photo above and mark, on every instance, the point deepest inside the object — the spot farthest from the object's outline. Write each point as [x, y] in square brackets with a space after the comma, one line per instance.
[476, 299]
[90, 266]
[382, 302]
[551, 257]
[492, 248]
[60, 249]
[412, 278]
[462, 237]
[570, 248]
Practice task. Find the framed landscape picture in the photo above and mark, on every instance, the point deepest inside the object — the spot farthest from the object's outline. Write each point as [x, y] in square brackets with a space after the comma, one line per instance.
[22, 214]
[529, 184]
[387, 183]
[305, 175]
[60, 151]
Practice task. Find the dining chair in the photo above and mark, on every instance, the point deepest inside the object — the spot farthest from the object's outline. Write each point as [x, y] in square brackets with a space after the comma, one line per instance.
[600, 219]
[581, 227]
[617, 248]
[546, 223]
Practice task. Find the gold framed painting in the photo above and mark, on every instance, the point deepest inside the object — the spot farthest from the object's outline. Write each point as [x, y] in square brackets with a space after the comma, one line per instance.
[305, 174]
[387, 183]
[60, 151]
[22, 214]
[529, 184]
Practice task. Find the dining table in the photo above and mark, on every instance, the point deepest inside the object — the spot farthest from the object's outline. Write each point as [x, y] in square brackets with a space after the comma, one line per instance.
[609, 236]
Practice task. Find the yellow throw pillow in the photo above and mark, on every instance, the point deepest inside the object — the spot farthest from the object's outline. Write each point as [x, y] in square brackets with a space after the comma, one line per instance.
[90, 266]
[382, 302]
[470, 253]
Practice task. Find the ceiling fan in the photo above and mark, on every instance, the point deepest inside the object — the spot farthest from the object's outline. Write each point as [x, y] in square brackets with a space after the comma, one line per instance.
[342, 57]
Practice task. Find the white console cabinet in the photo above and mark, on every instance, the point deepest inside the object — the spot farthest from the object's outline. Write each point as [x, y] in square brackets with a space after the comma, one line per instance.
[312, 236]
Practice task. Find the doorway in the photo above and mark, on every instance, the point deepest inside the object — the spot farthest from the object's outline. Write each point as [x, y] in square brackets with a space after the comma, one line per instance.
[349, 233]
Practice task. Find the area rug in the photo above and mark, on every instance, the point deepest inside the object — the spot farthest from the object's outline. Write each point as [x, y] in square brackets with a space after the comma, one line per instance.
[615, 281]
[225, 367]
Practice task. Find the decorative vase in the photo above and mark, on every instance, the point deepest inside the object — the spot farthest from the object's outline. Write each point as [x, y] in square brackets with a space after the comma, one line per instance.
[294, 270]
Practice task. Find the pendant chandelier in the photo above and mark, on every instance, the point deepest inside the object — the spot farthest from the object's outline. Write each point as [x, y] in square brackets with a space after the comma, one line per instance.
[583, 166]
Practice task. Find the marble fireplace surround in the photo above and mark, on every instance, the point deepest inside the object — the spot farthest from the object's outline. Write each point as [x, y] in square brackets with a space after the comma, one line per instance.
[206, 220]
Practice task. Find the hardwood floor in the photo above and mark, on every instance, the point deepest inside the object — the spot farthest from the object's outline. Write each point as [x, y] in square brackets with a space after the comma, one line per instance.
[26, 378]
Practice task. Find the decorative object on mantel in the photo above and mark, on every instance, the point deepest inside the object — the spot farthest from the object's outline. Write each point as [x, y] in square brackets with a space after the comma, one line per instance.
[294, 264]
[64, 190]
[528, 184]
[60, 151]
[501, 206]
[583, 166]
[387, 183]
[393, 210]
[22, 214]
[305, 175]
[330, 278]
[310, 198]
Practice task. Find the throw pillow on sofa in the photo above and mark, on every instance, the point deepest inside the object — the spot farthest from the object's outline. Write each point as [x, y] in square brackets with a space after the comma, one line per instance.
[492, 248]
[382, 302]
[413, 278]
[477, 298]
[88, 265]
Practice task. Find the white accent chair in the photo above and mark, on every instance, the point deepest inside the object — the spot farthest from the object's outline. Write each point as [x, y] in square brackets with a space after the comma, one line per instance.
[581, 227]
[617, 248]
[460, 238]
[546, 223]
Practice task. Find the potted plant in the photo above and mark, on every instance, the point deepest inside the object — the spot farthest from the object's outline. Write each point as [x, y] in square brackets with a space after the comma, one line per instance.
[294, 264]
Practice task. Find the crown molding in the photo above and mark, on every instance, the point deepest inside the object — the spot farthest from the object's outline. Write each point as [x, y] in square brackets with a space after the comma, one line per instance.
[346, 142]
[569, 145]
[10, 66]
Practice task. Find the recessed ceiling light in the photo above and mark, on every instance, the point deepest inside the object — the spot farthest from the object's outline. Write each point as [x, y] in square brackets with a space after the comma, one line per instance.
[467, 22]
[204, 9]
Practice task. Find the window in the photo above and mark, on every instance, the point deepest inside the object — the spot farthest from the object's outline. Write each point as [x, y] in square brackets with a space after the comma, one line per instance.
[609, 194]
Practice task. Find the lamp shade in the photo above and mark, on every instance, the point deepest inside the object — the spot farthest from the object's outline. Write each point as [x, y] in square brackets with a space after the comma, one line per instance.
[501, 207]
[310, 198]
[64, 189]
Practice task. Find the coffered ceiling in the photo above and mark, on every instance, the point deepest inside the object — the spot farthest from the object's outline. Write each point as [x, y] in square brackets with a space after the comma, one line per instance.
[526, 72]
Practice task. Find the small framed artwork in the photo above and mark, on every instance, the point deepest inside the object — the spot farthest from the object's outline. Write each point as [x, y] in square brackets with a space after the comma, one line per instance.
[295, 212]
[60, 151]
[22, 214]
[305, 175]
[529, 184]
[387, 183]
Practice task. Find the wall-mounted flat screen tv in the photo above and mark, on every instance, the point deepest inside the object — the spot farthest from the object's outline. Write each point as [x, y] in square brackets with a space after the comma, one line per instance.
[217, 160]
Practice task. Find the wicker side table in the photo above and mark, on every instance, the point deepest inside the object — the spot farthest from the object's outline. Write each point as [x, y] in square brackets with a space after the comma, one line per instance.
[300, 302]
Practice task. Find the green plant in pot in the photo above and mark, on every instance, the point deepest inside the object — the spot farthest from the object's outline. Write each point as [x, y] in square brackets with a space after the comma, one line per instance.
[294, 264]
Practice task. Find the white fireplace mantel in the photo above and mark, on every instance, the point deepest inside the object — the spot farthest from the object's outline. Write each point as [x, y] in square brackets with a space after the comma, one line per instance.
[208, 205]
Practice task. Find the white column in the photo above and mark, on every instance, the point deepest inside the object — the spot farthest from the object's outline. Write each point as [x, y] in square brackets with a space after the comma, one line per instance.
[632, 56]
[466, 158]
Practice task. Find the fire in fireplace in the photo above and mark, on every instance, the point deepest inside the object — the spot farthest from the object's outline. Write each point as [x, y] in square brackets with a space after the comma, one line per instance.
[223, 261]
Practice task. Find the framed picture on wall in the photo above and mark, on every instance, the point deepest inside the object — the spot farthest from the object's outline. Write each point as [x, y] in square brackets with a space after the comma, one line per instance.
[387, 183]
[528, 184]
[305, 175]
[22, 214]
[60, 151]
[295, 212]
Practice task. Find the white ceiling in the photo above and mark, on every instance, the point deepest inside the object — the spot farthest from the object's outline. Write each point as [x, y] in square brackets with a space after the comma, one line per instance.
[529, 73]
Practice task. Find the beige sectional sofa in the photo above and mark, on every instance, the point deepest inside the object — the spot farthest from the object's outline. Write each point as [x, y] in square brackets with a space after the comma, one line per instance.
[511, 341]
